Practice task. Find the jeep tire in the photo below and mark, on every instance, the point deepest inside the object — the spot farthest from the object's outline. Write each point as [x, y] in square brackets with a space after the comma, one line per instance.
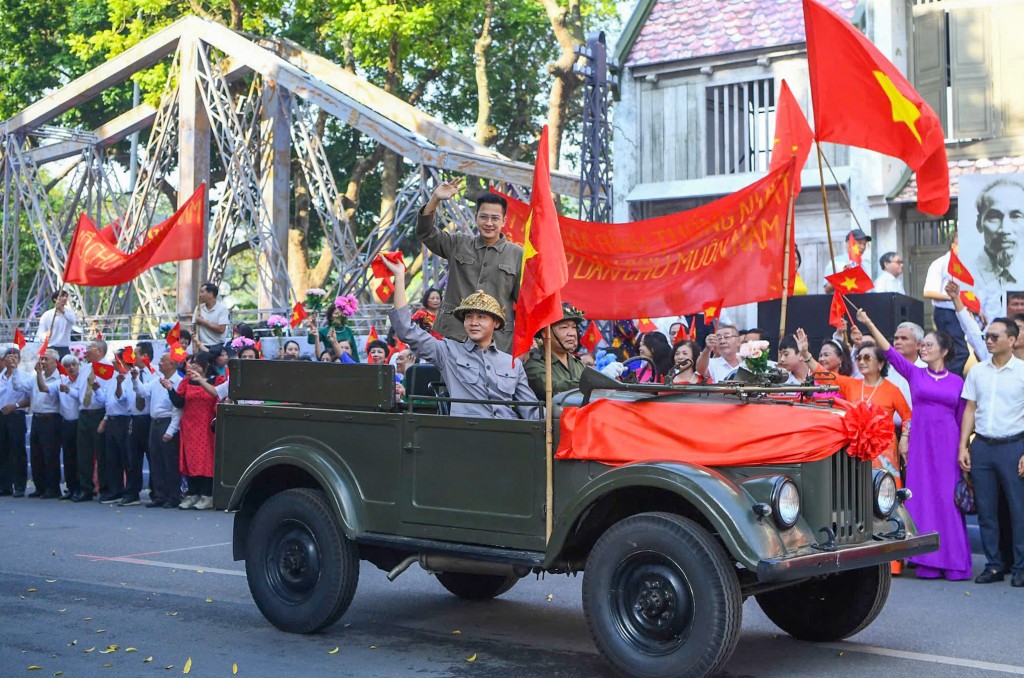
[662, 598]
[829, 608]
[301, 569]
[476, 586]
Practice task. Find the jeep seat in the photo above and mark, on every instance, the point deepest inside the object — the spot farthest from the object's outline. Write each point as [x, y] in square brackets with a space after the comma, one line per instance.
[419, 379]
[560, 401]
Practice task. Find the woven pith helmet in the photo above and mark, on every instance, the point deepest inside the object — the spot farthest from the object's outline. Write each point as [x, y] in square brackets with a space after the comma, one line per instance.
[483, 302]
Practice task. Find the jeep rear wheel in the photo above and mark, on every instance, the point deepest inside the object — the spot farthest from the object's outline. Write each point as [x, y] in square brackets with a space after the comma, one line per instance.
[302, 571]
[830, 608]
[662, 598]
[476, 586]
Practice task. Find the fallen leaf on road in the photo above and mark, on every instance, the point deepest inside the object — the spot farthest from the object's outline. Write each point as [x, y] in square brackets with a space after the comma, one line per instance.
[456, 632]
[53, 552]
[91, 649]
[334, 651]
[168, 667]
[373, 647]
[209, 600]
[234, 669]
[551, 597]
[188, 665]
[58, 673]
[130, 649]
[51, 581]
[471, 659]
[63, 609]
[107, 666]
[101, 630]
[172, 614]
[73, 643]
[34, 668]
[31, 590]
[86, 618]
[199, 571]
[107, 651]
[147, 660]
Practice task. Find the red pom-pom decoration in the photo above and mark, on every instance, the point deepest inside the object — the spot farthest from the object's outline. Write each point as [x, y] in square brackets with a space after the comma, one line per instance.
[869, 432]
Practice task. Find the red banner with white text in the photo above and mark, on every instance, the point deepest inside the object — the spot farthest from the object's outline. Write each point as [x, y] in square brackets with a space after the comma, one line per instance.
[93, 260]
[730, 250]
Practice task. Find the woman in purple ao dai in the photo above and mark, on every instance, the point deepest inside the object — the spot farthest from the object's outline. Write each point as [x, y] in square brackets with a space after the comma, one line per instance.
[932, 470]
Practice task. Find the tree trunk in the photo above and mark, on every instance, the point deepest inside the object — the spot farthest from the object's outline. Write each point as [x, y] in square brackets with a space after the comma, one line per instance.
[236, 15]
[392, 162]
[486, 133]
[567, 25]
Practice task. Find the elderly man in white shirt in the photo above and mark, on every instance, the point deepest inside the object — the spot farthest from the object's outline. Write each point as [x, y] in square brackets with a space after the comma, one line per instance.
[115, 432]
[994, 413]
[165, 424]
[891, 277]
[211, 320]
[15, 396]
[88, 390]
[44, 439]
[57, 323]
[69, 407]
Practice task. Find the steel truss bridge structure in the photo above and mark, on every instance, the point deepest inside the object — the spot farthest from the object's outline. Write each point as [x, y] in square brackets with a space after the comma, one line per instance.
[251, 104]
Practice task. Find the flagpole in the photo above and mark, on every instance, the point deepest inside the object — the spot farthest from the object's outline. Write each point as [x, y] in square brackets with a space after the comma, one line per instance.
[549, 494]
[842, 194]
[787, 258]
[824, 202]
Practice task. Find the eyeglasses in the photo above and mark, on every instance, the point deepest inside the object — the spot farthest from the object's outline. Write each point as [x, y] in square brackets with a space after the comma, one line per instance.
[489, 218]
[865, 358]
[728, 336]
[993, 337]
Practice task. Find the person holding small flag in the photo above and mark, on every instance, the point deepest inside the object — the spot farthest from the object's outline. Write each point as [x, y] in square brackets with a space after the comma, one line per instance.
[566, 368]
[92, 398]
[15, 396]
[164, 440]
[55, 325]
[69, 407]
[138, 426]
[115, 427]
[44, 439]
[943, 311]
[472, 369]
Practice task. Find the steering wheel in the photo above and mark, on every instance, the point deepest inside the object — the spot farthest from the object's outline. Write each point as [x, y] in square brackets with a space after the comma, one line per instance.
[629, 377]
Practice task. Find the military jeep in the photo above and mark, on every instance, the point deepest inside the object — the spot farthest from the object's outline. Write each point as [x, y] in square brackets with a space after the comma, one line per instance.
[334, 471]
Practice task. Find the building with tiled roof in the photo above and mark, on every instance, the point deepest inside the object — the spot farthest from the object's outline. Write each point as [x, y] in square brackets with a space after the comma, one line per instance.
[695, 119]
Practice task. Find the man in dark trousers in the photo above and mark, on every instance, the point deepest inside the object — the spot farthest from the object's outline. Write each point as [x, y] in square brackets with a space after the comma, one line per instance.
[994, 413]
[92, 398]
[15, 396]
[163, 435]
[44, 439]
[138, 426]
[487, 261]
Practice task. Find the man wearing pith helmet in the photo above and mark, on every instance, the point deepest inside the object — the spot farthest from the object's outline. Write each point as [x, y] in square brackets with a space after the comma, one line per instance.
[566, 368]
[472, 369]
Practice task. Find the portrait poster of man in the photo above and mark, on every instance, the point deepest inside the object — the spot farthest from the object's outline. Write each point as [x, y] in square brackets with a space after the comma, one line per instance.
[991, 227]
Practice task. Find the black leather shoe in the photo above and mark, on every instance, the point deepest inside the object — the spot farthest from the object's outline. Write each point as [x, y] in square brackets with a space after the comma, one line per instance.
[989, 576]
[51, 494]
[18, 494]
[1018, 580]
[82, 496]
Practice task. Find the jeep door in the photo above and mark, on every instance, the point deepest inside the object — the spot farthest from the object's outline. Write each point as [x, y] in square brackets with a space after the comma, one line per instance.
[473, 480]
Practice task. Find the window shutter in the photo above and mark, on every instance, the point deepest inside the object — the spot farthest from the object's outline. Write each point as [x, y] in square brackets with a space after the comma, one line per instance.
[930, 61]
[970, 50]
[1008, 20]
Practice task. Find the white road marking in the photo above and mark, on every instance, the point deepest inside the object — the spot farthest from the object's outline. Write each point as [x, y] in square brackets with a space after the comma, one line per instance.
[173, 566]
[931, 658]
[154, 553]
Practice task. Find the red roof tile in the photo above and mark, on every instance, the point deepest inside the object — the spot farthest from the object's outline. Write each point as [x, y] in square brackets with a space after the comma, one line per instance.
[959, 168]
[685, 29]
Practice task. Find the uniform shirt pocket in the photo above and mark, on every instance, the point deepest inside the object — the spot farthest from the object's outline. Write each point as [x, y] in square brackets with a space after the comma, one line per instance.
[505, 383]
[468, 371]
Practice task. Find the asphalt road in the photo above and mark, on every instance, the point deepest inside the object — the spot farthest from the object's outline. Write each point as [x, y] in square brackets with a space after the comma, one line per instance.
[161, 586]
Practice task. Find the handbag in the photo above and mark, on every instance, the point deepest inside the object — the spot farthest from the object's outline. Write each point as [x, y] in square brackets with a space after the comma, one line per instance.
[963, 495]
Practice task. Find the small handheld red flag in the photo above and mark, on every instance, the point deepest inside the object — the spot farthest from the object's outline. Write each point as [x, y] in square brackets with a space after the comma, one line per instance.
[19, 339]
[128, 356]
[957, 269]
[386, 287]
[145, 361]
[852, 251]
[174, 335]
[63, 370]
[103, 370]
[46, 344]
[646, 325]
[836, 310]
[692, 334]
[592, 337]
[851, 281]
[178, 352]
[682, 334]
[298, 314]
[971, 302]
[712, 311]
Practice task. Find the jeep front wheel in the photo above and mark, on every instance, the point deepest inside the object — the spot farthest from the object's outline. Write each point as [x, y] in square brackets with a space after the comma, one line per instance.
[662, 598]
[829, 608]
[476, 586]
[302, 571]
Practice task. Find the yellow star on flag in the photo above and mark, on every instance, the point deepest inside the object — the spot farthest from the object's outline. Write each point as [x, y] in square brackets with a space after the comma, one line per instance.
[711, 310]
[970, 295]
[529, 251]
[850, 283]
[957, 268]
[903, 110]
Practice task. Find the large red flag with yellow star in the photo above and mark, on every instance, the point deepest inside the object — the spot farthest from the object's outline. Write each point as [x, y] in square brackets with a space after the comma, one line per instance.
[861, 99]
[851, 281]
[545, 271]
[793, 136]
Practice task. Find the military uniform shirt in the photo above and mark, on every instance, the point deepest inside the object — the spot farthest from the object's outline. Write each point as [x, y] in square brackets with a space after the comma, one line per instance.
[473, 266]
[470, 371]
[563, 378]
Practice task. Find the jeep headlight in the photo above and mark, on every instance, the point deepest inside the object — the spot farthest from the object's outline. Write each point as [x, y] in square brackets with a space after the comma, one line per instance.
[785, 502]
[885, 494]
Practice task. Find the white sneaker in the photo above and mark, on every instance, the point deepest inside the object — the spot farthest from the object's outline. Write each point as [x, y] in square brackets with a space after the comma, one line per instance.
[204, 503]
[189, 501]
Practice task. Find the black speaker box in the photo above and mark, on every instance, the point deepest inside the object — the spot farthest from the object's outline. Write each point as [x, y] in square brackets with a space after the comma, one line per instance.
[811, 312]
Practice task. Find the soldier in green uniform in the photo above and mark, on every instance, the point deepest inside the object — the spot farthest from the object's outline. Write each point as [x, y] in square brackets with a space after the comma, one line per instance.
[566, 368]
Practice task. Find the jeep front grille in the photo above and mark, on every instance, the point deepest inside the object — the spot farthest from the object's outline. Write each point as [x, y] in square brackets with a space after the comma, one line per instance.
[851, 498]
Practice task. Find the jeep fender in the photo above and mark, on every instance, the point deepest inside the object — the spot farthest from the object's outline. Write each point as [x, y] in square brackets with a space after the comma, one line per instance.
[327, 469]
[725, 505]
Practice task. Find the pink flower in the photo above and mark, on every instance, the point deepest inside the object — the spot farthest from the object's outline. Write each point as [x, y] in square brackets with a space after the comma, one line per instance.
[238, 343]
[277, 321]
